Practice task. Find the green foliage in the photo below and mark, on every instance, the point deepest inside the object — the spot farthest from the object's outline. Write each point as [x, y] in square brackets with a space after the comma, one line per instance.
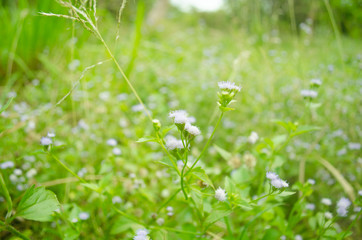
[37, 204]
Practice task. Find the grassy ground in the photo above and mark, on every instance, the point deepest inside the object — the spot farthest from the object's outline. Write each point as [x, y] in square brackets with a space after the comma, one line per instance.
[177, 67]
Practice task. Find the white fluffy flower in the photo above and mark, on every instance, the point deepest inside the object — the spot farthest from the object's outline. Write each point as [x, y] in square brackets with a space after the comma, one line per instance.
[229, 86]
[271, 175]
[7, 164]
[328, 215]
[220, 194]
[193, 130]
[326, 201]
[117, 151]
[316, 81]
[298, 237]
[172, 143]
[51, 134]
[112, 142]
[309, 93]
[354, 146]
[83, 216]
[311, 181]
[253, 138]
[279, 183]
[141, 234]
[342, 206]
[310, 206]
[116, 199]
[179, 116]
[45, 141]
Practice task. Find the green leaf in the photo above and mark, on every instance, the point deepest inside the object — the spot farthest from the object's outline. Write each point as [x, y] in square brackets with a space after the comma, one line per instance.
[123, 224]
[147, 139]
[37, 204]
[3, 108]
[285, 193]
[217, 214]
[91, 186]
[224, 154]
[200, 174]
[304, 129]
[167, 129]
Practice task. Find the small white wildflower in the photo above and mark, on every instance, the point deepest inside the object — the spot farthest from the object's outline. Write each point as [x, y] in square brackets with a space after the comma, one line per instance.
[169, 209]
[13, 178]
[283, 237]
[354, 146]
[310, 206]
[45, 141]
[309, 93]
[142, 232]
[18, 172]
[311, 181]
[357, 209]
[112, 142]
[122, 97]
[51, 134]
[272, 175]
[7, 164]
[341, 152]
[253, 138]
[83, 216]
[328, 215]
[104, 95]
[316, 82]
[117, 151]
[170, 214]
[279, 183]
[31, 173]
[342, 206]
[229, 86]
[360, 192]
[172, 143]
[116, 199]
[326, 201]
[193, 130]
[220, 194]
[74, 220]
[160, 221]
[298, 237]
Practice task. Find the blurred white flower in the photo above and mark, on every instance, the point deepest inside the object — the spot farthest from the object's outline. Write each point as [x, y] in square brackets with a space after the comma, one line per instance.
[7, 164]
[311, 181]
[328, 215]
[308, 93]
[83, 215]
[220, 194]
[18, 172]
[160, 221]
[172, 143]
[354, 146]
[253, 138]
[310, 206]
[112, 142]
[179, 116]
[117, 151]
[271, 175]
[298, 237]
[316, 82]
[51, 134]
[229, 86]
[141, 234]
[45, 141]
[326, 201]
[279, 183]
[31, 173]
[193, 130]
[342, 206]
[116, 199]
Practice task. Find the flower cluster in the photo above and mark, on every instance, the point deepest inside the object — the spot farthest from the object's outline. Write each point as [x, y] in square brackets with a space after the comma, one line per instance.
[342, 206]
[142, 234]
[276, 181]
[310, 94]
[227, 94]
[220, 194]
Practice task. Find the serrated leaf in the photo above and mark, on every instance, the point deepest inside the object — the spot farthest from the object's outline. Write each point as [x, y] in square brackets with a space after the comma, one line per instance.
[37, 204]
[200, 174]
[224, 154]
[147, 139]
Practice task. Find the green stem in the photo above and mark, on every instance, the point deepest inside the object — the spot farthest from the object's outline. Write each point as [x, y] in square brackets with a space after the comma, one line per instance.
[169, 155]
[184, 143]
[207, 144]
[66, 168]
[169, 200]
[7, 197]
[335, 29]
[13, 231]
